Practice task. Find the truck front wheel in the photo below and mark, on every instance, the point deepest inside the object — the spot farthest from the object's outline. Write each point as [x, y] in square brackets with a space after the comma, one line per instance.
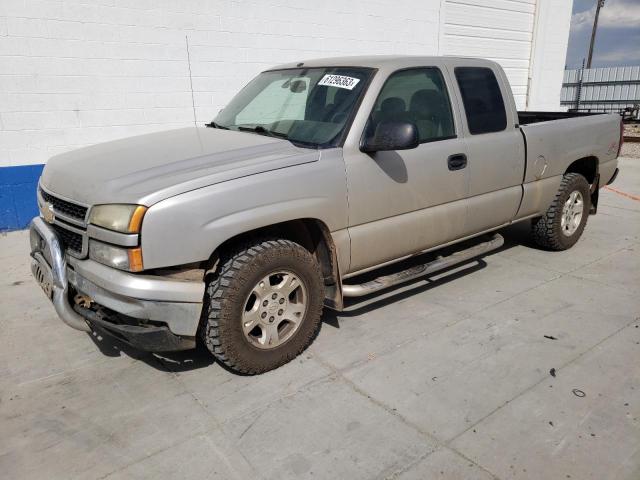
[563, 223]
[264, 305]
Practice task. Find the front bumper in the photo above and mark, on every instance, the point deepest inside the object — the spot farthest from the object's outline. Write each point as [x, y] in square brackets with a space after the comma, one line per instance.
[49, 268]
[149, 312]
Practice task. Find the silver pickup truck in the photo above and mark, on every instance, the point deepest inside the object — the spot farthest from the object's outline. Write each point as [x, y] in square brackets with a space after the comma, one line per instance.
[238, 233]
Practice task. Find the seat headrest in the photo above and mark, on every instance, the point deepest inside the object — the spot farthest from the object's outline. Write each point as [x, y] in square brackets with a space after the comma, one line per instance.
[393, 105]
[426, 101]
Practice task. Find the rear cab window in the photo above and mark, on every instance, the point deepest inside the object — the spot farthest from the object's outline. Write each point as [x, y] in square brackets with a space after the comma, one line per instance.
[419, 96]
[482, 99]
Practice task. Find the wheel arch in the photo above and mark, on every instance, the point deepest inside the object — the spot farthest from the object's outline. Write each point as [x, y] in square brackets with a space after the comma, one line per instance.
[585, 166]
[588, 167]
[313, 234]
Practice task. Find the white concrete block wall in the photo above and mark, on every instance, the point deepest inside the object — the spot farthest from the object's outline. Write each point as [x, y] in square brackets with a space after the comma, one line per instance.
[74, 73]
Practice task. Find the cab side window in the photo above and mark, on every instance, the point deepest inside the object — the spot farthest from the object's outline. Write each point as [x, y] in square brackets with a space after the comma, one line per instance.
[482, 99]
[418, 96]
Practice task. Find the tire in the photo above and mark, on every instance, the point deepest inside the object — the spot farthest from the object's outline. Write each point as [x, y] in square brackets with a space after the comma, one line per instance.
[554, 230]
[246, 329]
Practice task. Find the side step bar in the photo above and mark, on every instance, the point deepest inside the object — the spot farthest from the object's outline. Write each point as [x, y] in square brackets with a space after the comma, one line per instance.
[436, 265]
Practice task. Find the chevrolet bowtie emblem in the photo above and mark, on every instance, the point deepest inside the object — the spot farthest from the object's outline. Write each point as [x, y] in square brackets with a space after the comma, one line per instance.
[48, 213]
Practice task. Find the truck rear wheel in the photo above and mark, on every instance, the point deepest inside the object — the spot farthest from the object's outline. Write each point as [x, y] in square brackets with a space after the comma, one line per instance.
[264, 306]
[563, 223]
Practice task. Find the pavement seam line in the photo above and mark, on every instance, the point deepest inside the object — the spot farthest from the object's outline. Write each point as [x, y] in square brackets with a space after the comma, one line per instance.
[625, 290]
[84, 365]
[437, 330]
[177, 378]
[300, 389]
[217, 424]
[543, 379]
[149, 455]
[519, 261]
[205, 433]
[403, 420]
[569, 272]
[399, 471]
[610, 254]
[216, 427]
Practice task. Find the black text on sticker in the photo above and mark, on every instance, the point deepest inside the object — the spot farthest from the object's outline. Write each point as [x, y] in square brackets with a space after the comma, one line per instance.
[339, 81]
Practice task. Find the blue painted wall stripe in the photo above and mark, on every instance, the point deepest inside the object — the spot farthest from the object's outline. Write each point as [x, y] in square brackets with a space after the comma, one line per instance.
[18, 196]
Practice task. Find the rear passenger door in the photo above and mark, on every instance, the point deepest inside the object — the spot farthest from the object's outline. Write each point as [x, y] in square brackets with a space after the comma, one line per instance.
[496, 157]
[402, 202]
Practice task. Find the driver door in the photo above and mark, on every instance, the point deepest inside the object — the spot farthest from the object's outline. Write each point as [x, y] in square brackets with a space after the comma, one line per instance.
[403, 202]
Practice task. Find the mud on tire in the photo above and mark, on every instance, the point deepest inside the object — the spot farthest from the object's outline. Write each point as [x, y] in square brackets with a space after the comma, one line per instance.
[229, 296]
[547, 230]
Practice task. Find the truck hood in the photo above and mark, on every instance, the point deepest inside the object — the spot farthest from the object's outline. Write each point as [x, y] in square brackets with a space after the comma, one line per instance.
[148, 168]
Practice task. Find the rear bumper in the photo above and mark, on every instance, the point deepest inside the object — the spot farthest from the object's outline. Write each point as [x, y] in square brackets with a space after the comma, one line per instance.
[607, 171]
[614, 176]
[149, 312]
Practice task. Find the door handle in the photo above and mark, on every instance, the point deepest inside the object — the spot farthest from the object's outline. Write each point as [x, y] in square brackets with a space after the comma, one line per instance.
[457, 161]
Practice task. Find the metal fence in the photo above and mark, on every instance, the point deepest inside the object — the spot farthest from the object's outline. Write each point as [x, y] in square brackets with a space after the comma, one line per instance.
[611, 89]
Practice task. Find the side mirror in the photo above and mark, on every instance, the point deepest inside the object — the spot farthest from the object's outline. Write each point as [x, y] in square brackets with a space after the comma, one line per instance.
[392, 136]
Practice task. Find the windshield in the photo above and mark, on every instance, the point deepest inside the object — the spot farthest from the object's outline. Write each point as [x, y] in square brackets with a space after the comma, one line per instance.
[308, 106]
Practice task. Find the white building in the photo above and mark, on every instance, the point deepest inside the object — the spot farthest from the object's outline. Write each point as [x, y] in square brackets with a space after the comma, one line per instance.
[78, 72]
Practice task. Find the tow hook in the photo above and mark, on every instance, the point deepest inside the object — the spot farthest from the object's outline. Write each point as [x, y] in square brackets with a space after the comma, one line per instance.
[83, 301]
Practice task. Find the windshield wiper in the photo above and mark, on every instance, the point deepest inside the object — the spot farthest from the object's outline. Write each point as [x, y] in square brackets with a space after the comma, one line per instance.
[215, 125]
[262, 131]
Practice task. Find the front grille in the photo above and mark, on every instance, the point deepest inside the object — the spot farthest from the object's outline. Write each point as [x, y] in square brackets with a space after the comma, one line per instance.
[68, 223]
[64, 207]
[70, 240]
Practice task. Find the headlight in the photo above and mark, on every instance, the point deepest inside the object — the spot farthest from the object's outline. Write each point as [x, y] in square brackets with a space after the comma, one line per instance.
[129, 259]
[119, 217]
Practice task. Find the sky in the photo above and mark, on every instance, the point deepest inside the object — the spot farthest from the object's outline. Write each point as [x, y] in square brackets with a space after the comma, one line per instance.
[618, 37]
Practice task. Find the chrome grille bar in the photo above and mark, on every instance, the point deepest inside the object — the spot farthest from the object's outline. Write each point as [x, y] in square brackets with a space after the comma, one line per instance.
[69, 221]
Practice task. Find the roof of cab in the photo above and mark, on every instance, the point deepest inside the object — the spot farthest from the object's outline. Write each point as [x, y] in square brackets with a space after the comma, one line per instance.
[373, 61]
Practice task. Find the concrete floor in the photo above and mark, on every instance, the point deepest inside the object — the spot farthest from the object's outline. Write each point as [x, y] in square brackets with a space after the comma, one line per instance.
[444, 378]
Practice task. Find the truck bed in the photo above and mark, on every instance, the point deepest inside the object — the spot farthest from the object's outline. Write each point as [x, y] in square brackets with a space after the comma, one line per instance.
[527, 118]
[553, 140]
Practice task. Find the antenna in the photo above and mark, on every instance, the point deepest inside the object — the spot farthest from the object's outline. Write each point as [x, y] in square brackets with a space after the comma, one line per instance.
[599, 5]
[193, 102]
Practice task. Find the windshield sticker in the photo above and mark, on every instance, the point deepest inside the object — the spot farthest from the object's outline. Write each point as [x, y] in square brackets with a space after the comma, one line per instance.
[339, 81]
